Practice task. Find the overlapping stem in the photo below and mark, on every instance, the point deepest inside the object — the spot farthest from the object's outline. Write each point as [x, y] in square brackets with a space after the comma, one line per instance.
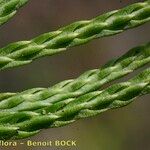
[87, 82]
[21, 124]
[77, 33]
[8, 9]
[23, 114]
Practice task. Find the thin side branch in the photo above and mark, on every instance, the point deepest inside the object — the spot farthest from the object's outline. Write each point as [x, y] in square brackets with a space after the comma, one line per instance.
[114, 22]
[8, 9]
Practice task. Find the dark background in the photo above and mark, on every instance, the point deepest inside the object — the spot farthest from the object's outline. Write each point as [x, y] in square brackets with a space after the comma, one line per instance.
[123, 129]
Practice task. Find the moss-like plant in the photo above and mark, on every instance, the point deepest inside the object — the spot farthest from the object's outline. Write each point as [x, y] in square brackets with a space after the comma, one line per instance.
[26, 113]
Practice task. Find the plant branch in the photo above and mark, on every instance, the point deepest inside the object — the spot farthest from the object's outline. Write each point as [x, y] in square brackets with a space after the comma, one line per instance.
[114, 22]
[22, 124]
[8, 9]
[24, 114]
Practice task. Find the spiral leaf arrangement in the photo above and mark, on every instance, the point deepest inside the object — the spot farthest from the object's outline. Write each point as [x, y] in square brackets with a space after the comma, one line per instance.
[24, 123]
[8, 9]
[26, 113]
[77, 33]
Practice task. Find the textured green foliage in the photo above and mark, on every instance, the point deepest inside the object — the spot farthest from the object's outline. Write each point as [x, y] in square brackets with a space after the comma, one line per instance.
[8, 9]
[24, 114]
[89, 81]
[77, 33]
[22, 124]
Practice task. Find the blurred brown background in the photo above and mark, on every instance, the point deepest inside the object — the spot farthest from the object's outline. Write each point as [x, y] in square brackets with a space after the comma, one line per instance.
[122, 129]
